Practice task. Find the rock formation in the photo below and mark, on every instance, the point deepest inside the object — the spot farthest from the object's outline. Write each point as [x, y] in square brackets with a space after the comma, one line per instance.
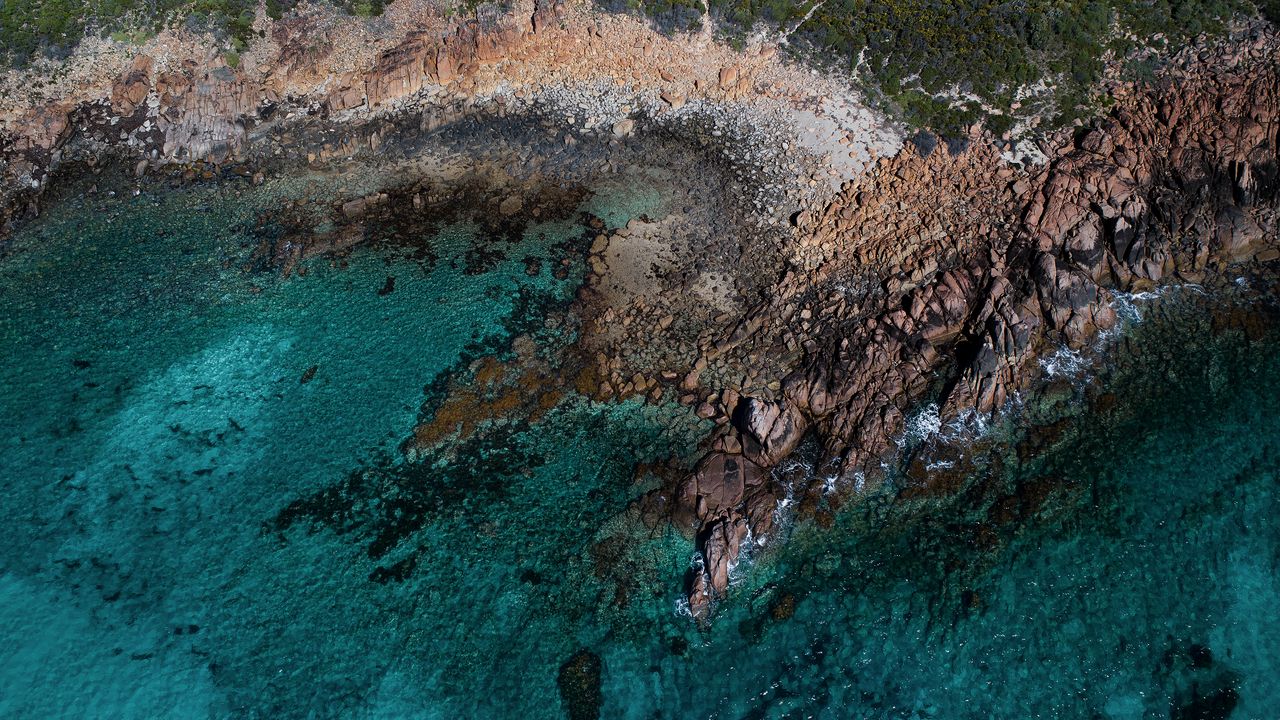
[952, 269]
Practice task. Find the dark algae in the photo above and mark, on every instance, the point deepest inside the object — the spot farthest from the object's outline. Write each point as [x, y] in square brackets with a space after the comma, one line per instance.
[579, 682]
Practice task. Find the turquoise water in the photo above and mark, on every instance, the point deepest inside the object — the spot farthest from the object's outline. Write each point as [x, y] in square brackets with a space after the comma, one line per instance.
[200, 525]
[1119, 562]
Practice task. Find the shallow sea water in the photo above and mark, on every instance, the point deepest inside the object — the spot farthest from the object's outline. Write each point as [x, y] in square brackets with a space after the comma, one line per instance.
[1119, 562]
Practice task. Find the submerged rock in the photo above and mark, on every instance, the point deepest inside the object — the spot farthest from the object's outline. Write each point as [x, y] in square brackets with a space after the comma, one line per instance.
[580, 682]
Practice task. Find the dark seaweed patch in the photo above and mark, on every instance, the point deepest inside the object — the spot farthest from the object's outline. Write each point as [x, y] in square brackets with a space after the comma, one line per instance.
[402, 223]
[396, 572]
[389, 501]
[309, 374]
[580, 685]
[483, 257]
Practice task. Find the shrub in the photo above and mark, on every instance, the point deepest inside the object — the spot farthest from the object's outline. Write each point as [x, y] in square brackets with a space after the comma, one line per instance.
[920, 53]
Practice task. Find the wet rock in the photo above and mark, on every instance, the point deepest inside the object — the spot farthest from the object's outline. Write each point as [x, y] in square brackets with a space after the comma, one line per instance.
[721, 544]
[355, 209]
[511, 205]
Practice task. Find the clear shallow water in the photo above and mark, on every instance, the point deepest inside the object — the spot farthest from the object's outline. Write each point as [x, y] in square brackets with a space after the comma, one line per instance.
[1118, 562]
[158, 423]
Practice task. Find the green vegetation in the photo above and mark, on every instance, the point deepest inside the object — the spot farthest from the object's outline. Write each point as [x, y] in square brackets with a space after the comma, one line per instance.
[668, 15]
[939, 62]
[53, 27]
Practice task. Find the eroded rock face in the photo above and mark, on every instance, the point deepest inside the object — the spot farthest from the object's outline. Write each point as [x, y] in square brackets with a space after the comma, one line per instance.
[202, 110]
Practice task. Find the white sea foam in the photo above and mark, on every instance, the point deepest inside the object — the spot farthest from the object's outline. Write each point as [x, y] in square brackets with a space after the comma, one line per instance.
[1073, 363]
[968, 424]
[1127, 305]
[682, 609]
[1066, 362]
[923, 425]
[788, 467]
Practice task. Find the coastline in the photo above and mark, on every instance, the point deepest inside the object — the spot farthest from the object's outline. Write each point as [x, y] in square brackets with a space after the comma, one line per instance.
[851, 277]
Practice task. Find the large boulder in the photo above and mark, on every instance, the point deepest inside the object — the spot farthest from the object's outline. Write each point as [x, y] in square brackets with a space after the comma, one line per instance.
[128, 92]
[718, 485]
[1237, 234]
[770, 430]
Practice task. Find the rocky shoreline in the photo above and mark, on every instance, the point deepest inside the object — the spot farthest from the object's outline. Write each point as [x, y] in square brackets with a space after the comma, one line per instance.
[812, 281]
[1177, 183]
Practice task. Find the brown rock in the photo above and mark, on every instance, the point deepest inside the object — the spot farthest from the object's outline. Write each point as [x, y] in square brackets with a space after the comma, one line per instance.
[1238, 235]
[128, 92]
[718, 485]
[511, 205]
[728, 77]
[774, 428]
